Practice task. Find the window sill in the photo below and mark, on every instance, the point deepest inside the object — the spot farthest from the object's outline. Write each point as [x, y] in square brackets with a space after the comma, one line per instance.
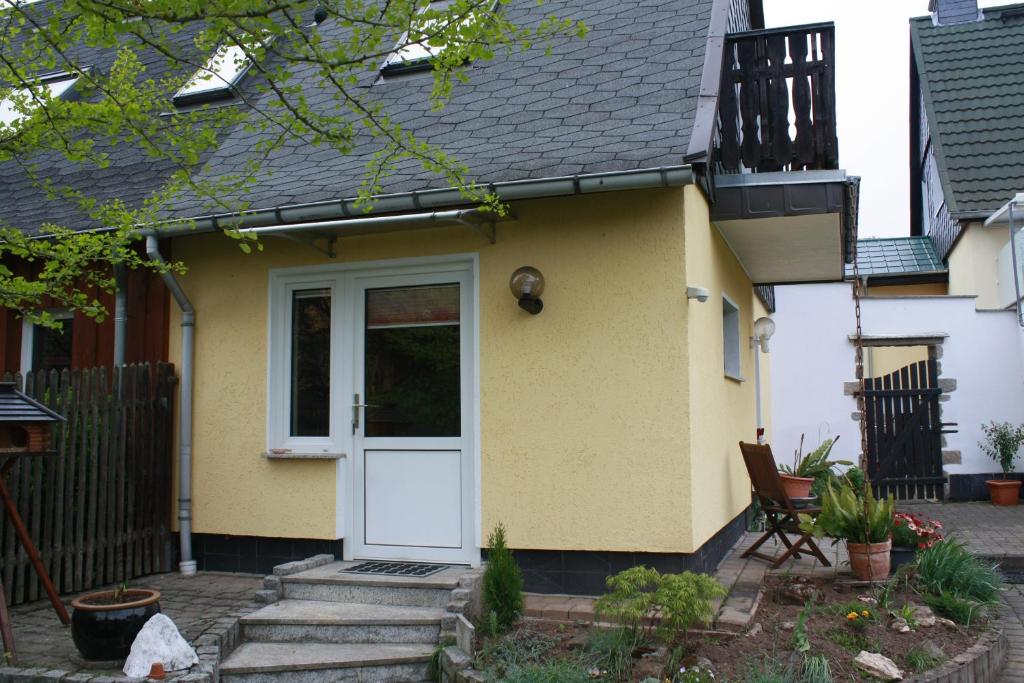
[289, 455]
[736, 378]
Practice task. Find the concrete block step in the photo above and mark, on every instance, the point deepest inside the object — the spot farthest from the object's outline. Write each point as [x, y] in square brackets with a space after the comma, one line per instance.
[321, 662]
[329, 583]
[292, 621]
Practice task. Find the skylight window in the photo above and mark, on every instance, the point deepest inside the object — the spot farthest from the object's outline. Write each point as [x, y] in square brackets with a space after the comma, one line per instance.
[217, 78]
[409, 55]
[20, 103]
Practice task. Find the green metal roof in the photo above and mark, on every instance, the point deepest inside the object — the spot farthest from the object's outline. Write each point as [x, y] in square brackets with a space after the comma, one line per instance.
[895, 256]
[972, 82]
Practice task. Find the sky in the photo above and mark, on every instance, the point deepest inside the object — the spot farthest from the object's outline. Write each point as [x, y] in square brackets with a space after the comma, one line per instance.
[872, 98]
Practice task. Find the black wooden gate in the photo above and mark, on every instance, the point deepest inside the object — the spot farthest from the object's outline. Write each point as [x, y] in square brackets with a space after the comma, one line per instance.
[905, 432]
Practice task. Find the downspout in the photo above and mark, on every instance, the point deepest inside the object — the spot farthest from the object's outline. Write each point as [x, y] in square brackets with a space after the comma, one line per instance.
[1016, 267]
[187, 566]
[120, 313]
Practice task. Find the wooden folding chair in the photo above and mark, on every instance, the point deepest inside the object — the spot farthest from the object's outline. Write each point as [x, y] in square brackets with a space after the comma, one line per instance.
[779, 512]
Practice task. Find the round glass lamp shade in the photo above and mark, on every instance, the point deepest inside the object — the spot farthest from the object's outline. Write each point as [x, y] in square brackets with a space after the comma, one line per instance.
[526, 283]
[764, 328]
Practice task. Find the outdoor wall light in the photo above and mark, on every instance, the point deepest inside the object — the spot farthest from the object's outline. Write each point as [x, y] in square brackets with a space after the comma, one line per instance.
[701, 294]
[527, 284]
[764, 328]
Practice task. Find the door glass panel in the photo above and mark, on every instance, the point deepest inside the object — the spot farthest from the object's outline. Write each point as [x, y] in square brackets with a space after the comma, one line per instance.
[311, 362]
[51, 348]
[412, 361]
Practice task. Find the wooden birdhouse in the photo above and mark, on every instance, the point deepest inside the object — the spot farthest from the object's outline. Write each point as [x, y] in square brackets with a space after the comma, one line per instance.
[25, 423]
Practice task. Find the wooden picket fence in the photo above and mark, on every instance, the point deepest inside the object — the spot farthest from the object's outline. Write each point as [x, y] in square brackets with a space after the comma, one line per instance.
[99, 509]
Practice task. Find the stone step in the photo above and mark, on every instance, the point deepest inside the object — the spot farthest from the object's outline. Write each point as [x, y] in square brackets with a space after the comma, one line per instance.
[292, 621]
[329, 583]
[321, 662]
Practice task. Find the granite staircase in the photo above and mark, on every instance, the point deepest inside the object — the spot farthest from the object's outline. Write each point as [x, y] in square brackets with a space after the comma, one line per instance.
[328, 625]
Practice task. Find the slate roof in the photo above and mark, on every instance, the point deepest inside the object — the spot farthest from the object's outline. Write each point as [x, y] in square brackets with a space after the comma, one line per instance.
[17, 407]
[896, 256]
[621, 98]
[972, 82]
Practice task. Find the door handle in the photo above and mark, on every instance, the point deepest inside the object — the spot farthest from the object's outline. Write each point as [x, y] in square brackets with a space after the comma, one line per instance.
[356, 405]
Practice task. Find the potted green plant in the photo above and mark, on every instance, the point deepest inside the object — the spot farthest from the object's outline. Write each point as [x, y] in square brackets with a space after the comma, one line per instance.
[1001, 443]
[864, 522]
[104, 624]
[798, 479]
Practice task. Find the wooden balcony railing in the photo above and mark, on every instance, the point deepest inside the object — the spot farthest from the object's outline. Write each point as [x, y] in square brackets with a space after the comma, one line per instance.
[777, 106]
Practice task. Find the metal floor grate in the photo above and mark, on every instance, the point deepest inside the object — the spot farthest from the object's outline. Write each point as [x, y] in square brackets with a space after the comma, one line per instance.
[394, 568]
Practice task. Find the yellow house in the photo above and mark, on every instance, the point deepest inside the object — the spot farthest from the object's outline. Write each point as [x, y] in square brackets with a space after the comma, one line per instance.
[392, 379]
[393, 383]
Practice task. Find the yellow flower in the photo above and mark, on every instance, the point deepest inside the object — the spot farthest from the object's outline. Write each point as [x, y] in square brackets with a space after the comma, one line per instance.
[852, 616]
[865, 613]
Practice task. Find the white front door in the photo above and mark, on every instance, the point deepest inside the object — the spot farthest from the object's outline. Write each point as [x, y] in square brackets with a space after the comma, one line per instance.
[412, 415]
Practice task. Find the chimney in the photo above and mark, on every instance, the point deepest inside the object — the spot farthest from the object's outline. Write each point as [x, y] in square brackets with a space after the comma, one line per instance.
[945, 12]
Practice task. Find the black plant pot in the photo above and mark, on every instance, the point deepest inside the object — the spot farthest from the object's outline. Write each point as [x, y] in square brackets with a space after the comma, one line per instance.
[900, 555]
[104, 629]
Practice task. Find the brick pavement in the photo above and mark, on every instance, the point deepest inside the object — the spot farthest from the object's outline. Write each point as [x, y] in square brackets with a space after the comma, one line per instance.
[196, 604]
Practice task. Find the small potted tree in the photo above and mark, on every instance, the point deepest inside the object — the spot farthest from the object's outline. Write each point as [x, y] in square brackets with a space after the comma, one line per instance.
[864, 522]
[800, 477]
[1002, 443]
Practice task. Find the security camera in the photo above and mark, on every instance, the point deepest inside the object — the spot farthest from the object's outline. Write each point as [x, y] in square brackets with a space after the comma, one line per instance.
[701, 294]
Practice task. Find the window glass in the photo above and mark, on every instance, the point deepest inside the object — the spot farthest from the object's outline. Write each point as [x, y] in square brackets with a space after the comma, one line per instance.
[57, 88]
[419, 52]
[51, 348]
[223, 70]
[731, 338]
[311, 362]
[412, 373]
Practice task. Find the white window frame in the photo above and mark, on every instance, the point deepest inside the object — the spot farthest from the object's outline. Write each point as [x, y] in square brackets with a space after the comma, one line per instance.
[58, 84]
[279, 358]
[422, 55]
[28, 336]
[731, 339]
[212, 80]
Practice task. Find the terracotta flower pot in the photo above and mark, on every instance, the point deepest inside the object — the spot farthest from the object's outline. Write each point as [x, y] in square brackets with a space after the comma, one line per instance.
[1004, 491]
[104, 626]
[796, 487]
[870, 561]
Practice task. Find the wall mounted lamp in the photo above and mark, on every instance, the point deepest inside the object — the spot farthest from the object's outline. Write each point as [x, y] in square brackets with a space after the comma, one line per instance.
[764, 328]
[527, 284]
[701, 294]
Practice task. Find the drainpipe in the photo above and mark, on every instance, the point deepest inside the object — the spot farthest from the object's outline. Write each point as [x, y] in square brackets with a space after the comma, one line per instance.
[1016, 268]
[187, 566]
[120, 313]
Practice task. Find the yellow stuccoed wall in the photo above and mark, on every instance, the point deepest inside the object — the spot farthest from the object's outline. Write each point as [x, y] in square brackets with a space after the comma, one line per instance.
[585, 438]
[923, 289]
[722, 409]
[974, 264]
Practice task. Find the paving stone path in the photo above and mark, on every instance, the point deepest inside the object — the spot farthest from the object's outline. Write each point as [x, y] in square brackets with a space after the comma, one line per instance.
[195, 603]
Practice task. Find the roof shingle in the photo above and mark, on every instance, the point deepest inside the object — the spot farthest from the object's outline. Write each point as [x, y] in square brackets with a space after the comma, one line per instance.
[896, 256]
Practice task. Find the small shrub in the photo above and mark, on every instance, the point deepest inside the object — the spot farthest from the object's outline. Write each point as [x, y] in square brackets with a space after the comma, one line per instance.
[910, 531]
[769, 671]
[520, 648]
[682, 601]
[919, 660]
[961, 610]
[611, 650]
[503, 582]
[560, 671]
[800, 641]
[1002, 443]
[850, 640]
[948, 567]
[815, 670]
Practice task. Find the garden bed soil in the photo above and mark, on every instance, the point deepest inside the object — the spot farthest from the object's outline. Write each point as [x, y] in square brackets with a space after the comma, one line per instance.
[829, 632]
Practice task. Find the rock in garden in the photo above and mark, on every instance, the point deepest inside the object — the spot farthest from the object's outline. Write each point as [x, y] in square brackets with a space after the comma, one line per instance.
[933, 650]
[867, 599]
[924, 616]
[158, 641]
[797, 594]
[878, 666]
[787, 626]
[949, 623]
[660, 653]
[755, 630]
[900, 625]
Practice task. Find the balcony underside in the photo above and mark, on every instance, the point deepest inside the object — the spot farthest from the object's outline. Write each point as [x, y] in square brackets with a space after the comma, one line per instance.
[786, 227]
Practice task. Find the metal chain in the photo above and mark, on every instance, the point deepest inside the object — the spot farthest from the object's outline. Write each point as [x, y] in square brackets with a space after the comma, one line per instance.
[858, 345]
